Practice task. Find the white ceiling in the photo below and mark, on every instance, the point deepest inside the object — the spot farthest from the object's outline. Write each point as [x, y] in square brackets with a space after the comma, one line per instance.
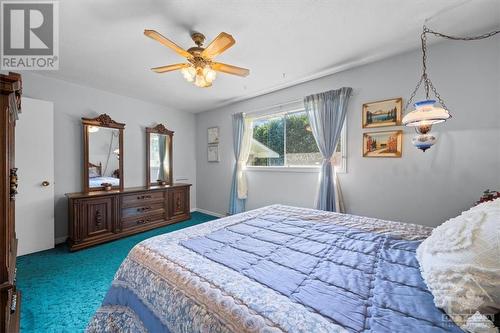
[282, 42]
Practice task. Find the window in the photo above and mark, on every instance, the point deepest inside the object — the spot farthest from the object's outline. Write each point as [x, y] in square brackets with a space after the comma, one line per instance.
[286, 140]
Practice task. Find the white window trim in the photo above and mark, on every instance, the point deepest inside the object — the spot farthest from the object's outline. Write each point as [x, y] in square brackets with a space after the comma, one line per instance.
[343, 148]
[301, 169]
[298, 168]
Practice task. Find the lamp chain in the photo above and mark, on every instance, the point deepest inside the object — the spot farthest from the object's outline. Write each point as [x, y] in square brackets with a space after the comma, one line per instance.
[423, 38]
[428, 86]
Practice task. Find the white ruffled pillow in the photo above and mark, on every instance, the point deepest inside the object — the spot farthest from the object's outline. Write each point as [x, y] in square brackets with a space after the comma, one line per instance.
[460, 263]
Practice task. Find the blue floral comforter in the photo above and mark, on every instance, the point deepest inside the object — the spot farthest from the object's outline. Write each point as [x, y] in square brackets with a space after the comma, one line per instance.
[275, 269]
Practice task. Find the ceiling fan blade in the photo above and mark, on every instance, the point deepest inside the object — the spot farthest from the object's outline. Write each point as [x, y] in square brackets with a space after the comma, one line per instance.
[230, 69]
[220, 44]
[167, 42]
[169, 68]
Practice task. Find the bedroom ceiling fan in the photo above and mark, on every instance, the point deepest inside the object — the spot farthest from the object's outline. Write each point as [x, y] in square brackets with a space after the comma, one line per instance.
[200, 67]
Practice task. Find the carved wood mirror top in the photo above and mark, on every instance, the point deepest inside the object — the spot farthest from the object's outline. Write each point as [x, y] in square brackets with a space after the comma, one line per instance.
[102, 153]
[159, 155]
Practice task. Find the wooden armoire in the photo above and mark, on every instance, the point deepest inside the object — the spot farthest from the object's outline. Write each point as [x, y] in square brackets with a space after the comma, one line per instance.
[10, 297]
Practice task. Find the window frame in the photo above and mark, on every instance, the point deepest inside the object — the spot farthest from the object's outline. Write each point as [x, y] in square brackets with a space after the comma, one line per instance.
[298, 168]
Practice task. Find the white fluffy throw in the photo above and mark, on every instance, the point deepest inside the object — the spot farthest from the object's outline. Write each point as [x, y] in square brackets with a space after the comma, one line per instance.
[460, 263]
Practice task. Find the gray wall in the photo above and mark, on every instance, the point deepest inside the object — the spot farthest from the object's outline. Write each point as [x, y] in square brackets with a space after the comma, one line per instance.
[71, 102]
[425, 188]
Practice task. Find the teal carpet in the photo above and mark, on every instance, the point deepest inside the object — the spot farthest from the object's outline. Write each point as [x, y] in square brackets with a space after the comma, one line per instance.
[62, 290]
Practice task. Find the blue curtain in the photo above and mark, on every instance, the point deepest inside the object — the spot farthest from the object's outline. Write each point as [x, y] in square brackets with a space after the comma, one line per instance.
[236, 205]
[326, 112]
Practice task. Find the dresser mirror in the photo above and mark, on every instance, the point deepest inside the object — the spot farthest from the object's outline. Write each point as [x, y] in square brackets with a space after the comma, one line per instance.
[159, 155]
[102, 154]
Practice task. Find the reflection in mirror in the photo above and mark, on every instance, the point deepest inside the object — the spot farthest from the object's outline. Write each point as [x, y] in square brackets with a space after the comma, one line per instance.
[159, 157]
[103, 156]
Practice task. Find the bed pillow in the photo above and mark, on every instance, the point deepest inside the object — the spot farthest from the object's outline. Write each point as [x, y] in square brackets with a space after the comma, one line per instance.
[460, 263]
[93, 173]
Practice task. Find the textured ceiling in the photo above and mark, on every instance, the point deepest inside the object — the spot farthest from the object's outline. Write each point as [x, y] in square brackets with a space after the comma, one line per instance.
[282, 42]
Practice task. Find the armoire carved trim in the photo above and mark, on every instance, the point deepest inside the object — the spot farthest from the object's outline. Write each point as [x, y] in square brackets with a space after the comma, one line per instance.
[10, 296]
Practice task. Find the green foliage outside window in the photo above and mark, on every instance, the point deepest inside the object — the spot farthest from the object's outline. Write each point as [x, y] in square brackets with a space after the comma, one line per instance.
[271, 133]
[298, 138]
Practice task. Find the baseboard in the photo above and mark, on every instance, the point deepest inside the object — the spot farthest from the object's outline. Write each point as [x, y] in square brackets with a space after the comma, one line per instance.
[60, 240]
[204, 211]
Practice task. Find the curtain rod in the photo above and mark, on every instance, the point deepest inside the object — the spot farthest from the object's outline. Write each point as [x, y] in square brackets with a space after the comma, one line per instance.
[275, 106]
[279, 105]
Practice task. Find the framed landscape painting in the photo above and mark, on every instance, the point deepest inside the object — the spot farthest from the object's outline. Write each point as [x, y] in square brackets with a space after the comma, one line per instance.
[382, 113]
[383, 144]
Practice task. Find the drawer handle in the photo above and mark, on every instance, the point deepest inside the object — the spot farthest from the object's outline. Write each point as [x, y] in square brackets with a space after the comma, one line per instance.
[143, 209]
[142, 197]
[143, 221]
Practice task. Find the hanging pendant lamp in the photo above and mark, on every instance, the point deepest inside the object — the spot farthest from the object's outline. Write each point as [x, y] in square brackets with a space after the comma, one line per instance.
[427, 113]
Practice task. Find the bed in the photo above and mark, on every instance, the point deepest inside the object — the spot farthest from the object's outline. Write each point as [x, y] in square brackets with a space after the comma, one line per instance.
[275, 269]
[96, 179]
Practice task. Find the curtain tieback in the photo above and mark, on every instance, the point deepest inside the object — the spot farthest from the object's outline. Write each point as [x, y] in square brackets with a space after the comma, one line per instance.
[328, 160]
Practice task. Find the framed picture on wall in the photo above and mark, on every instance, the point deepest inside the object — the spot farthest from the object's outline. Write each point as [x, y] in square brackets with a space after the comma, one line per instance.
[382, 113]
[383, 144]
[213, 135]
[213, 153]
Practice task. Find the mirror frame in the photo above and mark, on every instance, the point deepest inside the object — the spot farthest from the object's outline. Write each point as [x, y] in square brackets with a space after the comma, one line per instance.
[102, 120]
[159, 129]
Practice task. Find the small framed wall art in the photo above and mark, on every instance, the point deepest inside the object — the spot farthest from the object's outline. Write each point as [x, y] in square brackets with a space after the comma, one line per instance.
[213, 153]
[382, 113]
[213, 135]
[383, 144]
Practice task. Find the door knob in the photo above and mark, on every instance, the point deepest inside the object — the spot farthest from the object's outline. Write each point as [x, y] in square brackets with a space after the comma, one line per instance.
[45, 183]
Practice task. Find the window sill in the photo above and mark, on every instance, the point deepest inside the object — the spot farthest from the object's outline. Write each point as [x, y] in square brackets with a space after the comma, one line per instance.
[298, 169]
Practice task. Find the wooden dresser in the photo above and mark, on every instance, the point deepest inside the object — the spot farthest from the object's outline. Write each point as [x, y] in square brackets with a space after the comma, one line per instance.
[10, 297]
[98, 217]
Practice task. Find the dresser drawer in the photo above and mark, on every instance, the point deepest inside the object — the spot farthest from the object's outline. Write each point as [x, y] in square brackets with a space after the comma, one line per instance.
[139, 199]
[100, 216]
[144, 209]
[134, 222]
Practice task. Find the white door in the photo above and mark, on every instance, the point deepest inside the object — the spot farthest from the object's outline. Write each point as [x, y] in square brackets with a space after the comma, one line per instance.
[35, 163]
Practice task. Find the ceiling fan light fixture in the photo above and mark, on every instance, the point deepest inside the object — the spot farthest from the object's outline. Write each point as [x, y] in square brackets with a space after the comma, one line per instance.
[201, 76]
[209, 74]
[201, 82]
[189, 73]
